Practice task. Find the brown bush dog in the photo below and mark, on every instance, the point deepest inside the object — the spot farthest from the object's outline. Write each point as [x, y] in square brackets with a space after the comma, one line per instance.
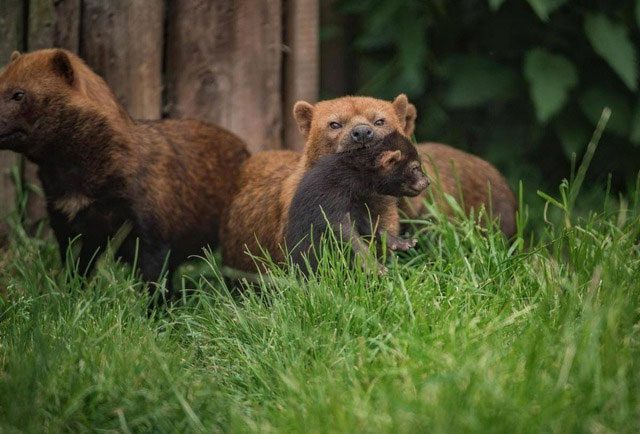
[171, 180]
[469, 179]
[256, 219]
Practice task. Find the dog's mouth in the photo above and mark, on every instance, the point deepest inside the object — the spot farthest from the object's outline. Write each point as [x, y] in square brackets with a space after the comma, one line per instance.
[412, 192]
[348, 145]
[351, 147]
[419, 186]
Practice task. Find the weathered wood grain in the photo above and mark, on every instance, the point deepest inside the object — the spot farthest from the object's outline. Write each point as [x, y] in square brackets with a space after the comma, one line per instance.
[224, 65]
[54, 23]
[123, 41]
[302, 62]
[11, 28]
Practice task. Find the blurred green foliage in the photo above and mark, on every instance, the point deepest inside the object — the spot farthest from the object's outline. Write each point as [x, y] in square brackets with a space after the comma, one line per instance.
[521, 82]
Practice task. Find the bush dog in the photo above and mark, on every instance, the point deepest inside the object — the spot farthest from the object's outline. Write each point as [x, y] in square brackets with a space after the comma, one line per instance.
[339, 190]
[171, 180]
[256, 219]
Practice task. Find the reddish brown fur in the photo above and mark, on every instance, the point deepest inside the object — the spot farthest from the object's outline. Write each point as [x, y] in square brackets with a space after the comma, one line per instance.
[269, 181]
[256, 211]
[470, 180]
[171, 179]
[193, 179]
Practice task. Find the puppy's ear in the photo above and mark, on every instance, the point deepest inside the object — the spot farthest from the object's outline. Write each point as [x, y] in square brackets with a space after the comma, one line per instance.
[14, 56]
[410, 120]
[62, 66]
[388, 159]
[303, 114]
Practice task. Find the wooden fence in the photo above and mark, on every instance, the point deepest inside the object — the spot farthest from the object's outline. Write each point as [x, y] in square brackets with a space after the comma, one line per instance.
[240, 64]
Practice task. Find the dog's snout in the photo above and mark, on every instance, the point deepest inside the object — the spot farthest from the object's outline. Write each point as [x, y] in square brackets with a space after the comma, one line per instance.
[362, 133]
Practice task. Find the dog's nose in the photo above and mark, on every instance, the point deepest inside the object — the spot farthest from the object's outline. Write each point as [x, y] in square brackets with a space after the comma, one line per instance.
[362, 133]
[422, 183]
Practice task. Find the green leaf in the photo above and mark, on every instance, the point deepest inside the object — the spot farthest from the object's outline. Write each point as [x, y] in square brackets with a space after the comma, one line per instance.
[638, 13]
[544, 8]
[495, 4]
[610, 40]
[596, 98]
[475, 80]
[550, 78]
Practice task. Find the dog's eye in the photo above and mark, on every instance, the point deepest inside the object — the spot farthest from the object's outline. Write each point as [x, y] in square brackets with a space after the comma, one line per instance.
[379, 123]
[335, 126]
[18, 95]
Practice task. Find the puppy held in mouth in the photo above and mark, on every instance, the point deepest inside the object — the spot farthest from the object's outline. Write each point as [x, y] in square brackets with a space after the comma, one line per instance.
[337, 193]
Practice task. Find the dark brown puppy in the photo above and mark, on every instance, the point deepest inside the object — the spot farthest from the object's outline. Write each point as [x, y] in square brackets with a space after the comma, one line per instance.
[257, 217]
[472, 181]
[171, 180]
[338, 191]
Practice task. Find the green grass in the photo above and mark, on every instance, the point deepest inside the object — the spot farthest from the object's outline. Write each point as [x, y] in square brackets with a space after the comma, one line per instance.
[468, 333]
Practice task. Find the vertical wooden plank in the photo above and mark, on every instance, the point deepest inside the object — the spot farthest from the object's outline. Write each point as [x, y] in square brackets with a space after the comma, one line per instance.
[122, 41]
[223, 63]
[52, 23]
[301, 62]
[42, 21]
[11, 38]
[11, 28]
[67, 26]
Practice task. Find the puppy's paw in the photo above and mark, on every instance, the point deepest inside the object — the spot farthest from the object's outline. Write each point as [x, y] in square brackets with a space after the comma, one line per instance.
[382, 270]
[398, 244]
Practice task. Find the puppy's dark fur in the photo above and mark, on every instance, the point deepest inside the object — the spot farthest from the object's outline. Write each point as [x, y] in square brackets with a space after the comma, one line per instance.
[340, 191]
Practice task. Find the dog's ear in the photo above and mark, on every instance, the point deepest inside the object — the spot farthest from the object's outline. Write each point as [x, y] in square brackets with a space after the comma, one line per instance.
[303, 114]
[400, 104]
[388, 159]
[410, 120]
[62, 66]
